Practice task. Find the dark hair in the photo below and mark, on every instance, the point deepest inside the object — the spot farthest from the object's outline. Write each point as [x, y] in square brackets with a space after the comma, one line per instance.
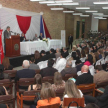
[98, 67]
[6, 62]
[73, 55]
[52, 50]
[63, 55]
[1, 72]
[2, 91]
[42, 52]
[37, 55]
[90, 58]
[91, 105]
[78, 53]
[78, 62]
[83, 54]
[50, 62]
[32, 59]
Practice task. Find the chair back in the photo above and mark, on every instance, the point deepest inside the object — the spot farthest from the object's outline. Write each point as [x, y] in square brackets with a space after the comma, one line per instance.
[11, 73]
[7, 99]
[7, 84]
[80, 102]
[87, 88]
[37, 71]
[31, 93]
[49, 79]
[51, 106]
[67, 76]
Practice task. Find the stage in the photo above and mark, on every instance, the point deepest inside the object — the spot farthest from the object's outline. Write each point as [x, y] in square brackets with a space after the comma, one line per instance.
[17, 61]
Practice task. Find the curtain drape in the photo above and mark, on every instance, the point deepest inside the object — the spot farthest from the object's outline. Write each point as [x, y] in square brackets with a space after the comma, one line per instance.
[24, 23]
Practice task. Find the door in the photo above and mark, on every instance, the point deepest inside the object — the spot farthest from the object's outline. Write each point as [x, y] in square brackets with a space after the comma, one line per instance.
[83, 29]
[78, 29]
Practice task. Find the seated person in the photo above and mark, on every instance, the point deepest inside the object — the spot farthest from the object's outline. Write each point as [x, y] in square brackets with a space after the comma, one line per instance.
[43, 56]
[40, 37]
[6, 64]
[48, 71]
[36, 37]
[32, 65]
[58, 82]
[65, 51]
[100, 76]
[25, 73]
[85, 78]
[69, 69]
[22, 38]
[37, 57]
[48, 96]
[38, 84]
[52, 54]
[57, 54]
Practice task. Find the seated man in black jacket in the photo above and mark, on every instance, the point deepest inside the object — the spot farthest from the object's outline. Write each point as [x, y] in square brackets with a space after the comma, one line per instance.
[48, 71]
[65, 51]
[43, 56]
[25, 73]
[85, 78]
[52, 54]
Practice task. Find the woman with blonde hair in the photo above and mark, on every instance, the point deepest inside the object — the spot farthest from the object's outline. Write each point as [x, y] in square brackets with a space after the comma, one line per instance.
[58, 82]
[38, 84]
[48, 96]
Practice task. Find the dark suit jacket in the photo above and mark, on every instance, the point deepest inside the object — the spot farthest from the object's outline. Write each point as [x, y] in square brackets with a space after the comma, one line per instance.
[24, 73]
[48, 71]
[79, 66]
[70, 39]
[22, 38]
[66, 54]
[40, 37]
[43, 58]
[85, 78]
[68, 70]
[6, 35]
[52, 55]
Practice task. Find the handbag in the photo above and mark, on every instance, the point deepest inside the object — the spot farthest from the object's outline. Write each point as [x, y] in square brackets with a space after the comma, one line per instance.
[74, 102]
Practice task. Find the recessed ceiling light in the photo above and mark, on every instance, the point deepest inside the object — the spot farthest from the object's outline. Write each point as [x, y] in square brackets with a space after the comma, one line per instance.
[103, 15]
[104, 7]
[66, 1]
[37, 0]
[68, 11]
[82, 7]
[91, 11]
[98, 17]
[84, 15]
[46, 2]
[77, 13]
[97, 13]
[102, 18]
[57, 8]
[101, 2]
[75, 3]
[54, 4]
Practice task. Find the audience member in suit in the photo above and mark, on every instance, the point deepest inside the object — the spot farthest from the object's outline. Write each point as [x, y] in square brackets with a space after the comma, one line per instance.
[22, 38]
[25, 72]
[43, 56]
[52, 54]
[70, 40]
[40, 37]
[32, 65]
[65, 51]
[68, 69]
[6, 64]
[79, 65]
[37, 57]
[85, 78]
[57, 54]
[100, 76]
[60, 64]
[48, 71]
[74, 56]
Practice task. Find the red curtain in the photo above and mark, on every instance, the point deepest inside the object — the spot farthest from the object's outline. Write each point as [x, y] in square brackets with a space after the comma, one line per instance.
[24, 23]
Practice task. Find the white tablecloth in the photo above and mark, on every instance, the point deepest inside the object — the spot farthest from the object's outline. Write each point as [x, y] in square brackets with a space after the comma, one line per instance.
[29, 47]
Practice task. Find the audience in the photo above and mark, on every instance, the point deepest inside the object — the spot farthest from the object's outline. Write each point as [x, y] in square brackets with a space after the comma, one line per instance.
[48, 96]
[85, 78]
[6, 64]
[58, 82]
[43, 56]
[100, 76]
[38, 84]
[65, 51]
[52, 54]
[68, 69]
[37, 57]
[48, 71]
[57, 54]
[32, 65]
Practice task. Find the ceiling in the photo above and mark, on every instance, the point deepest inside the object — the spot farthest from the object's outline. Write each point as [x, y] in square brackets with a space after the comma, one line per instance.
[86, 3]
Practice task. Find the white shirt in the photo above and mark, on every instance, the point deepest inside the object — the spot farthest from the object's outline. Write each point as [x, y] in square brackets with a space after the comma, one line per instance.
[60, 65]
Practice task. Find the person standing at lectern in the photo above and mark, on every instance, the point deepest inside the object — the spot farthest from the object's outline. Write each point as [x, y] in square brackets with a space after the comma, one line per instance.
[7, 35]
[40, 37]
[22, 38]
[70, 40]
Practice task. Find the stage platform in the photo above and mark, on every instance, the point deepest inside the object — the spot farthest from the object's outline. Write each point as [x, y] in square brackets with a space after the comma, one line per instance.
[17, 61]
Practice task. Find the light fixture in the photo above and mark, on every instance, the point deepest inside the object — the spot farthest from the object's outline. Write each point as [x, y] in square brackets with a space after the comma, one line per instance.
[37, 0]
[97, 13]
[98, 17]
[75, 3]
[91, 11]
[57, 8]
[82, 7]
[54, 4]
[103, 15]
[101, 2]
[0, 5]
[77, 13]
[66, 1]
[102, 18]
[68, 11]
[46, 2]
[104, 7]
[84, 15]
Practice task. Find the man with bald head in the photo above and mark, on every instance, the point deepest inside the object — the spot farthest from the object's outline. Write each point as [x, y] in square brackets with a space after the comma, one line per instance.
[84, 78]
[25, 72]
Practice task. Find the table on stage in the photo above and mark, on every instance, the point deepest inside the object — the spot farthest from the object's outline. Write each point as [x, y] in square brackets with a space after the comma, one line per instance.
[29, 47]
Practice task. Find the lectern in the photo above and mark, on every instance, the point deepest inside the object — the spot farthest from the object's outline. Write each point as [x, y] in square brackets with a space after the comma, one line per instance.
[13, 46]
